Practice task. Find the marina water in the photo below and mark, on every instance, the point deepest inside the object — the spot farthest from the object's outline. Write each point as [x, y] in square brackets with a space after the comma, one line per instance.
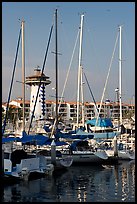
[104, 183]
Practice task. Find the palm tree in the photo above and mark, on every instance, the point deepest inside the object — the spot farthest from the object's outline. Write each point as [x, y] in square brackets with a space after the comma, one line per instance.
[14, 114]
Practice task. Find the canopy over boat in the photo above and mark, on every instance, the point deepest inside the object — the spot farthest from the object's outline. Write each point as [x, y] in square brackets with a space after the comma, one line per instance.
[78, 134]
[11, 139]
[101, 122]
[31, 139]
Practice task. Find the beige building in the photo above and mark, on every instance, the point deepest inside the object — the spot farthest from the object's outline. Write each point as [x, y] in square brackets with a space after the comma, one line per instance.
[68, 109]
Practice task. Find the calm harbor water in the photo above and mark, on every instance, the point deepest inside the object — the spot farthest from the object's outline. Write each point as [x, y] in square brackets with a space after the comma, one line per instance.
[108, 183]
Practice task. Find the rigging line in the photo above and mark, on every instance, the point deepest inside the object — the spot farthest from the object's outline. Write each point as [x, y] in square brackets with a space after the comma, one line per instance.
[66, 78]
[90, 91]
[107, 78]
[41, 77]
[69, 66]
[128, 53]
[90, 32]
[4, 125]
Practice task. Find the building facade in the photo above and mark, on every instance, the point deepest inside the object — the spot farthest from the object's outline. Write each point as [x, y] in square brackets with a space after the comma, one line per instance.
[68, 109]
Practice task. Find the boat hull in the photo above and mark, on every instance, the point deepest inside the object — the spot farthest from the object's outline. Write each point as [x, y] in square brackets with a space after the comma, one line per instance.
[126, 155]
[122, 154]
[88, 157]
[60, 162]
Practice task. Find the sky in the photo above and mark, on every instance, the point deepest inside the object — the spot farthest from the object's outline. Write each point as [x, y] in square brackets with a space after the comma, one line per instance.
[100, 29]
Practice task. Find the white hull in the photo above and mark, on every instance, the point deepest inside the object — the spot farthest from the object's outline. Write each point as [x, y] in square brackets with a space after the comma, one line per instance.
[34, 167]
[28, 167]
[88, 156]
[61, 162]
[57, 159]
[122, 154]
[66, 161]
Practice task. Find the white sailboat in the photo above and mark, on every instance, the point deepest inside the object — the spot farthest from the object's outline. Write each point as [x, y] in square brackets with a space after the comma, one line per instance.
[124, 152]
[88, 153]
[60, 162]
[85, 151]
[26, 166]
[102, 127]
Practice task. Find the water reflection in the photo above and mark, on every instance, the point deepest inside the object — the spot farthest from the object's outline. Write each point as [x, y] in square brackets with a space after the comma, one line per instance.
[106, 183]
[127, 180]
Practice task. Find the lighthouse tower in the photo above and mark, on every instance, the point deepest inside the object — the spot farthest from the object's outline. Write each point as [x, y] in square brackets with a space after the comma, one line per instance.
[34, 82]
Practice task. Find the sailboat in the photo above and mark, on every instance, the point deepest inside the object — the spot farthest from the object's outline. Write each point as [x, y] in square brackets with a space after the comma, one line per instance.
[53, 156]
[123, 151]
[25, 165]
[81, 150]
[51, 159]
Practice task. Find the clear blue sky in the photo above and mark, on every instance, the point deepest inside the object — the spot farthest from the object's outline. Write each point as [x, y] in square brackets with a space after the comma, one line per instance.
[101, 21]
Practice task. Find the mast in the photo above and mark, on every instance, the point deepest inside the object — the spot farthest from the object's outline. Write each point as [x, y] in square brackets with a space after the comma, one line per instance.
[120, 72]
[23, 72]
[82, 96]
[11, 85]
[79, 67]
[56, 61]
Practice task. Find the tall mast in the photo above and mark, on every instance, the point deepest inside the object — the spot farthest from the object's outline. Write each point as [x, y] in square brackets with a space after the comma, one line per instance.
[23, 72]
[82, 96]
[79, 68]
[120, 72]
[56, 60]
